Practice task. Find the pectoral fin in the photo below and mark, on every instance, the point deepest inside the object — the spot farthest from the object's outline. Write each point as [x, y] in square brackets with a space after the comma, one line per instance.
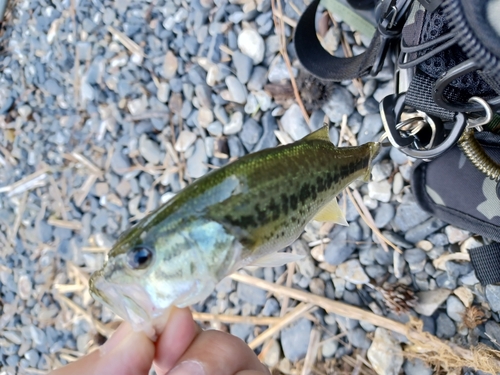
[276, 259]
[331, 213]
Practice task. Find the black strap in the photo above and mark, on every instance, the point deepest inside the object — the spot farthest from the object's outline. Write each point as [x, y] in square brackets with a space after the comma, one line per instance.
[319, 62]
[486, 263]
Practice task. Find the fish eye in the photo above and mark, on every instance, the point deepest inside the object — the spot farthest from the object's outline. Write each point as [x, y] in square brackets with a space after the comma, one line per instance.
[139, 257]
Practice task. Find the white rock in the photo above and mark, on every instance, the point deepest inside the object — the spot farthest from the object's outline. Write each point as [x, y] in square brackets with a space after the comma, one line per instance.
[353, 272]
[398, 183]
[429, 301]
[456, 235]
[380, 191]
[163, 92]
[465, 295]
[184, 141]
[24, 287]
[170, 65]
[385, 353]
[138, 105]
[252, 44]
[264, 100]
[235, 124]
[273, 354]
[205, 117]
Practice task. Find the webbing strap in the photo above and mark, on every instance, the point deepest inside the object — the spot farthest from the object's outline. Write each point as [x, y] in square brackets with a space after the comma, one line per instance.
[319, 62]
[486, 263]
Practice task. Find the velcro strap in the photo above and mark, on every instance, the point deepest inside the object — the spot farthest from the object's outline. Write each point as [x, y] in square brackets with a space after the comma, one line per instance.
[319, 62]
[486, 263]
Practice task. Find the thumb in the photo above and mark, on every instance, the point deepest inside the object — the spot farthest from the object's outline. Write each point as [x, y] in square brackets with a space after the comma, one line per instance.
[125, 353]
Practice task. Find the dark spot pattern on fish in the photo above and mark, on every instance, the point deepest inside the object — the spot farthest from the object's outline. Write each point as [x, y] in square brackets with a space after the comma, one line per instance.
[293, 202]
[284, 204]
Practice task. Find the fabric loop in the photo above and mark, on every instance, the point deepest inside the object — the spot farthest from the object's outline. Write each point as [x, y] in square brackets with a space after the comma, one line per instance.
[319, 62]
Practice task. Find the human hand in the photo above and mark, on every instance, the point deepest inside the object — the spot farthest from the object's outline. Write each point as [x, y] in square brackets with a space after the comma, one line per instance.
[181, 349]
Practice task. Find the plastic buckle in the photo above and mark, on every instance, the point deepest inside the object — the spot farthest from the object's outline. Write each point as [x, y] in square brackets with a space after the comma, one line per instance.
[391, 109]
[389, 28]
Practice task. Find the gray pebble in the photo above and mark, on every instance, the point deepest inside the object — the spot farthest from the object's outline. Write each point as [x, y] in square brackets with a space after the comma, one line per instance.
[53, 87]
[445, 327]
[149, 149]
[340, 248]
[295, 339]
[197, 163]
[414, 256]
[455, 309]
[409, 215]
[424, 229]
[241, 330]
[251, 294]
[235, 147]
[119, 162]
[250, 134]
[268, 138]
[271, 307]
[398, 157]
[340, 103]
[384, 214]
[257, 79]
[243, 65]
[236, 89]
[372, 125]
[357, 337]
[278, 71]
[33, 357]
[317, 120]
[329, 348]
[293, 122]
[493, 297]
[416, 367]
[493, 330]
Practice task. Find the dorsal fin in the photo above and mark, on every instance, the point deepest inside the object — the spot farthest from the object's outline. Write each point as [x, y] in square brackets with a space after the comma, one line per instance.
[320, 134]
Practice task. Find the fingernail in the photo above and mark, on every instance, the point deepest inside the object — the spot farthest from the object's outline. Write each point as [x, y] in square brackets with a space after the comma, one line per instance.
[188, 368]
[116, 338]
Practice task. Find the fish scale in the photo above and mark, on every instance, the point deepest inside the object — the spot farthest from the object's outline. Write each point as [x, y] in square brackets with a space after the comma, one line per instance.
[241, 214]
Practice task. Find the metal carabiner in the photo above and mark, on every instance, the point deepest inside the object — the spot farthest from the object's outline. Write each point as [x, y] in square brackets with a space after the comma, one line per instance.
[391, 109]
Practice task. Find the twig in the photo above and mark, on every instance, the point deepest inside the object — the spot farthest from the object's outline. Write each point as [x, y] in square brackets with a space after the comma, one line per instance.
[34, 180]
[312, 351]
[230, 319]
[367, 217]
[67, 224]
[19, 217]
[293, 315]
[356, 313]
[95, 249]
[87, 163]
[147, 115]
[129, 44]
[440, 263]
[80, 196]
[101, 328]
[56, 194]
[278, 24]
[289, 281]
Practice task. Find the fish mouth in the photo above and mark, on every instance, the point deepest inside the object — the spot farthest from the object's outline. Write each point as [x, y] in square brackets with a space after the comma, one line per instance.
[130, 302]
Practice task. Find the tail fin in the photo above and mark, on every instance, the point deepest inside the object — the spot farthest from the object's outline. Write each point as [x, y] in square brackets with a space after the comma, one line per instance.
[374, 150]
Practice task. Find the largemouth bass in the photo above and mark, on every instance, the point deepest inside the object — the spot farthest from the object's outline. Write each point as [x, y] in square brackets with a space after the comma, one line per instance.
[235, 216]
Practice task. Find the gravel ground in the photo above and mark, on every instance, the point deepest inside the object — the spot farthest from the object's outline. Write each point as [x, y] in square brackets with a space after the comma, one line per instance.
[109, 109]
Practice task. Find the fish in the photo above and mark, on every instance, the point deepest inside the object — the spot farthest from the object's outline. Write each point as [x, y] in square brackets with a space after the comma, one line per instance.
[239, 215]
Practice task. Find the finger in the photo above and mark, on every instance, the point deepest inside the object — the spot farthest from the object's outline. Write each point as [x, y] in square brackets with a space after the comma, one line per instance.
[179, 332]
[125, 353]
[218, 353]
